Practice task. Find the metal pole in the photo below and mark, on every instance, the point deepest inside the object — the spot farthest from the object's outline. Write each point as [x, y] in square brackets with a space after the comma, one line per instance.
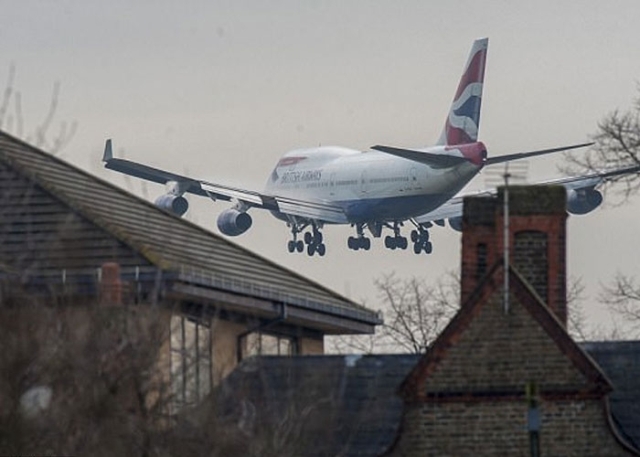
[505, 213]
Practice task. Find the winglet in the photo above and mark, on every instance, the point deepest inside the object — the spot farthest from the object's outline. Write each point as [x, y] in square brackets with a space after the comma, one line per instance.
[108, 151]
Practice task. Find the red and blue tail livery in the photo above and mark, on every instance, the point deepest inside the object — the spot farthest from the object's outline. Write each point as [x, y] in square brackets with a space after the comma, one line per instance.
[463, 121]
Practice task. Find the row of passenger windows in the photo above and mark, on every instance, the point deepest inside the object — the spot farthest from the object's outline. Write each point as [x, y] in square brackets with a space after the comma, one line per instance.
[394, 179]
[353, 182]
[348, 182]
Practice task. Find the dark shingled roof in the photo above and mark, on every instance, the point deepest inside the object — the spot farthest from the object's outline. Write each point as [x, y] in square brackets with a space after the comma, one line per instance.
[349, 405]
[336, 405]
[620, 360]
[60, 193]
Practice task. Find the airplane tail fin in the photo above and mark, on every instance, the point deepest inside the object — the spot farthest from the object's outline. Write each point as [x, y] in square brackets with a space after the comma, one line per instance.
[462, 123]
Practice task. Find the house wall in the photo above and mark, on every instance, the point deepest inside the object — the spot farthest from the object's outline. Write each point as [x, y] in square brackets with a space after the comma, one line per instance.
[571, 428]
[309, 346]
[473, 401]
[225, 346]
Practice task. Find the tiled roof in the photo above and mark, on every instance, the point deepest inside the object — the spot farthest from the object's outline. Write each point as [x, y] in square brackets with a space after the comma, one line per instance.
[338, 405]
[349, 406]
[160, 239]
[620, 360]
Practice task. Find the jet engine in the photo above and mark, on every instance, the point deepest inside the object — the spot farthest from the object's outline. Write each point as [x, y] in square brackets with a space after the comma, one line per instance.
[456, 223]
[232, 222]
[176, 204]
[582, 201]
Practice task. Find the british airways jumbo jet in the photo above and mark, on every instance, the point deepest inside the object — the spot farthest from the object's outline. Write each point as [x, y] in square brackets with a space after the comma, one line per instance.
[374, 190]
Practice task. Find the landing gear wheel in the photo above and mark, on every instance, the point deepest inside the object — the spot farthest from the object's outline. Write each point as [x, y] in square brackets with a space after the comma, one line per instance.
[322, 249]
[428, 247]
[311, 249]
[420, 239]
[365, 243]
[401, 242]
[389, 242]
[291, 246]
[308, 237]
[299, 246]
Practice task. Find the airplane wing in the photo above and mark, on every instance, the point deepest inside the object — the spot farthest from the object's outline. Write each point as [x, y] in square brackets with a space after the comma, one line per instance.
[444, 161]
[453, 207]
[317, 210]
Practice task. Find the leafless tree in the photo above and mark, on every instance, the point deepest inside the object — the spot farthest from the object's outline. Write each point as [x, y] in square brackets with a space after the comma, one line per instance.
[617, 144]
[414, 313]
[622, 296]
[12, 119]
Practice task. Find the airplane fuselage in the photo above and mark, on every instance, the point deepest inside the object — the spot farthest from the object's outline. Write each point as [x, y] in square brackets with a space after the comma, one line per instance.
[371, 185]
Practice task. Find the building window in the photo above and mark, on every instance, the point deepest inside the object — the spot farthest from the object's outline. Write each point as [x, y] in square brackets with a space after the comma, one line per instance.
[191, 377]
[259, 343]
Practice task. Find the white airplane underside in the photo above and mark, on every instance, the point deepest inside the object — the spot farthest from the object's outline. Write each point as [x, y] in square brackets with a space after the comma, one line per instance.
[381, 188]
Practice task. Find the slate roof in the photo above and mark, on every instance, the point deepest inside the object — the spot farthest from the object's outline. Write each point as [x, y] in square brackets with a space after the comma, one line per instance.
[620, 360]
[350, 405]
[157, 239]
[336, 405]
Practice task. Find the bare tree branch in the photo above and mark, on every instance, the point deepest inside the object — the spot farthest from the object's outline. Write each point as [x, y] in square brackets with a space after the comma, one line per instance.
[12, 118]
[415, 312]
[617, 144]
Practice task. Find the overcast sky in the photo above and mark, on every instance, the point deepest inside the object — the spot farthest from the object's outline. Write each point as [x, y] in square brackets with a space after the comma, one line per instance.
[221, 89]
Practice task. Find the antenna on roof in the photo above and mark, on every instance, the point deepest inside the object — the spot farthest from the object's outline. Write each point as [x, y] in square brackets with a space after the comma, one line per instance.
[505, 212]
[518, 173]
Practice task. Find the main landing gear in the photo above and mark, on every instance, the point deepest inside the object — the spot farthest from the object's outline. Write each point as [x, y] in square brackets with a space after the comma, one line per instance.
[420, 239]
[360, 241]
[312, 239]
[396, 241]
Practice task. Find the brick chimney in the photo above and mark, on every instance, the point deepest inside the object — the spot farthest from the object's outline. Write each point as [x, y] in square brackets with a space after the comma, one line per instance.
[110, 284]
[537, 240]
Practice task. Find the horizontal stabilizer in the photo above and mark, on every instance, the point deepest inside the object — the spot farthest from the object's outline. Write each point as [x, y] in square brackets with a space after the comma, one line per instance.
[427, 158]
[524, 155]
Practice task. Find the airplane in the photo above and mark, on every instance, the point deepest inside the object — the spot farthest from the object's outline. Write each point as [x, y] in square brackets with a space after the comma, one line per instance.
[376, 189]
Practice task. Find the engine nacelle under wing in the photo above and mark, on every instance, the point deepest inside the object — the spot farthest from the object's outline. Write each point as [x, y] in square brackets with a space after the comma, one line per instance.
[178, 205]
[583, 201]
[232, 222]
[456, 223]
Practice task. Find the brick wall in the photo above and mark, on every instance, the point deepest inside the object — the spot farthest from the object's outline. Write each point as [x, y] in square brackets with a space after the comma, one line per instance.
[500, 353]
[571, 428]
[473, 401]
